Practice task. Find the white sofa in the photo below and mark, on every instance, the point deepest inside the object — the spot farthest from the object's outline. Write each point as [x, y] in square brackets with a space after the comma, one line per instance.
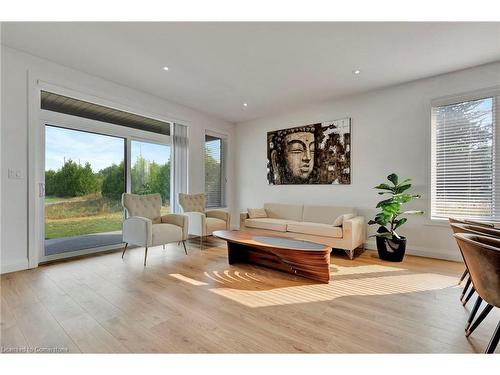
[313, 223]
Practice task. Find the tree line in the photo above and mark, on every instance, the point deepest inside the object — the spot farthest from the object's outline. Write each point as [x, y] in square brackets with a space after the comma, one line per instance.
[74, 179]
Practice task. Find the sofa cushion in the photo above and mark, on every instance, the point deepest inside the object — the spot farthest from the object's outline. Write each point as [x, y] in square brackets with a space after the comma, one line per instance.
[255, 213]
[315, 229]
[268, 223]
[325, 214]
[284, 211]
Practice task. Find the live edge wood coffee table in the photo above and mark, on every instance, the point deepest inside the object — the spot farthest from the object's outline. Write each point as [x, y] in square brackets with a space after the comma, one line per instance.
[303, 258]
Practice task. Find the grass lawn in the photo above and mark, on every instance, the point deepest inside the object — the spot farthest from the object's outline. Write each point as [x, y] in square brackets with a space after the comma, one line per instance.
[79, 226]
[68, 217]
[51, 200]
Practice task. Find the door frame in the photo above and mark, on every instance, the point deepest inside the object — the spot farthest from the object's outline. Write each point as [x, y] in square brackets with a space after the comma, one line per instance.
[36, 209]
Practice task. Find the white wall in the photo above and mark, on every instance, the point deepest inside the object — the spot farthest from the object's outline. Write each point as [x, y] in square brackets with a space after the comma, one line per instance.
[16, 66]
[390, 133]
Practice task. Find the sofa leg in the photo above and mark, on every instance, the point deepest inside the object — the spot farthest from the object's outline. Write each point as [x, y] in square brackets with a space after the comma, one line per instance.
[184, 244]
[145, 255]
[351, 254]
[124, 249]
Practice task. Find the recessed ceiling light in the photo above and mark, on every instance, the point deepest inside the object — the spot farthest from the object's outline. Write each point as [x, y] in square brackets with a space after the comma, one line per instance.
[245, 104]
[357, 71]
[165, 68]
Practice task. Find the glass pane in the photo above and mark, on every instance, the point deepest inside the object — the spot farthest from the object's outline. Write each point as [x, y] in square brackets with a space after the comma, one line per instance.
[213, 171]
[84, 180]
[150, 172]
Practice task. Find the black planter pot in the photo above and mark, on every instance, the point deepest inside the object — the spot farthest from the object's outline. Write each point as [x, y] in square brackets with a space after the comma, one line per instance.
[391, 250]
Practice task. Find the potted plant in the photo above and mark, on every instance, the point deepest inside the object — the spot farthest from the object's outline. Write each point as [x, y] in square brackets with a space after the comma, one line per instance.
[390, 245]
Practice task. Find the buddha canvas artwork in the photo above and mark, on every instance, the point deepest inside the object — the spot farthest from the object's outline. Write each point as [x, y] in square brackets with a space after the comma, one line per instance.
[311, 154]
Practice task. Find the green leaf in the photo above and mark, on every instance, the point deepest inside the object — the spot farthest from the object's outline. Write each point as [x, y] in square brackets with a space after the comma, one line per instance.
[387, 235]
[385, 202]
[399, 189]
[400, 222]
[391, 208]
[403, 198]
[384, 187]
[413, 212]
[393, 177]
[381, 219]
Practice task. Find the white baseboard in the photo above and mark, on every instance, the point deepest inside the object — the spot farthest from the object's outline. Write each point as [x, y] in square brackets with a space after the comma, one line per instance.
[426, 252]
[13, 267]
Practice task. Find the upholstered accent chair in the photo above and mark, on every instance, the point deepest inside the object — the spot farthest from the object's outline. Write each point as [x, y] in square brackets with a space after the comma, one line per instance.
[202, 223]
[146, 227]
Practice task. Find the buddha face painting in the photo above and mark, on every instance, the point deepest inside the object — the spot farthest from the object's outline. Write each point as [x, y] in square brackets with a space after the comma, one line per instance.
[299, 154]
[318, 153]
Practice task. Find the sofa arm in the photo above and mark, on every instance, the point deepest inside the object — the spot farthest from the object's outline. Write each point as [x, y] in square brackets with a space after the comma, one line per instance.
[220, 214]
[177, 219]
[243, 217]
[138, 231]
[197, 223]
[354, 231]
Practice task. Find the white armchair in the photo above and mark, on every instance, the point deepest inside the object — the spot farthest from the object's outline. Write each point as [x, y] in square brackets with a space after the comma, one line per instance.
[202, 222]
[146, 227]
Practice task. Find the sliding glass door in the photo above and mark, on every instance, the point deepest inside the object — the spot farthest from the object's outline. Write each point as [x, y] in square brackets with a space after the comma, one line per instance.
[87, 166]
[84, 181]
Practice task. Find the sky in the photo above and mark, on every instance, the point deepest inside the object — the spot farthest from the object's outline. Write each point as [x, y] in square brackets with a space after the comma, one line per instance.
[100, 151]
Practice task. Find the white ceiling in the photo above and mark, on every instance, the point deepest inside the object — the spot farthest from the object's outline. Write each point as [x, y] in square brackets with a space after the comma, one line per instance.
[274, 67]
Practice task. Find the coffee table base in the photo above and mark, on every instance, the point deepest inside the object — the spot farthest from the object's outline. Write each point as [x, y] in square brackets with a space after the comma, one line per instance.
[313, 265]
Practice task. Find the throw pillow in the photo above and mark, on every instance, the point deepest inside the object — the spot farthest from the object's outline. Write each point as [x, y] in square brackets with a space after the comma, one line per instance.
[340, 220]
[255, 213]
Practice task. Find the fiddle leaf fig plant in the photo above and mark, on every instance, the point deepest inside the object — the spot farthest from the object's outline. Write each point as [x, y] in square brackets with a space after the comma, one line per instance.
[389, 218]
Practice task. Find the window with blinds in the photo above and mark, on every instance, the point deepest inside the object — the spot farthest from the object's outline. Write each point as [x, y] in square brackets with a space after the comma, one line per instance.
[463, 170]
[215, 176]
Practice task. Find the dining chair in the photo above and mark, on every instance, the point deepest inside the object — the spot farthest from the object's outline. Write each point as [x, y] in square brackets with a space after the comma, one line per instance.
[461, 225]
[482, 257]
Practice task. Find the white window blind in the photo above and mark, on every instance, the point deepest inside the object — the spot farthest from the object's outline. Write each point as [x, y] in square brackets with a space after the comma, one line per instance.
[215, 176]
[463, 170]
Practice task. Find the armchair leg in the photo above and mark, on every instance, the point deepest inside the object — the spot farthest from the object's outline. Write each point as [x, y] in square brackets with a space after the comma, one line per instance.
[201, 242]
[124, 249]
[145, 255]
[184, 244]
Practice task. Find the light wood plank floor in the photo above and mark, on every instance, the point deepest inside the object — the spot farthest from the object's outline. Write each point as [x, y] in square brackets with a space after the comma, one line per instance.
[200, 304]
